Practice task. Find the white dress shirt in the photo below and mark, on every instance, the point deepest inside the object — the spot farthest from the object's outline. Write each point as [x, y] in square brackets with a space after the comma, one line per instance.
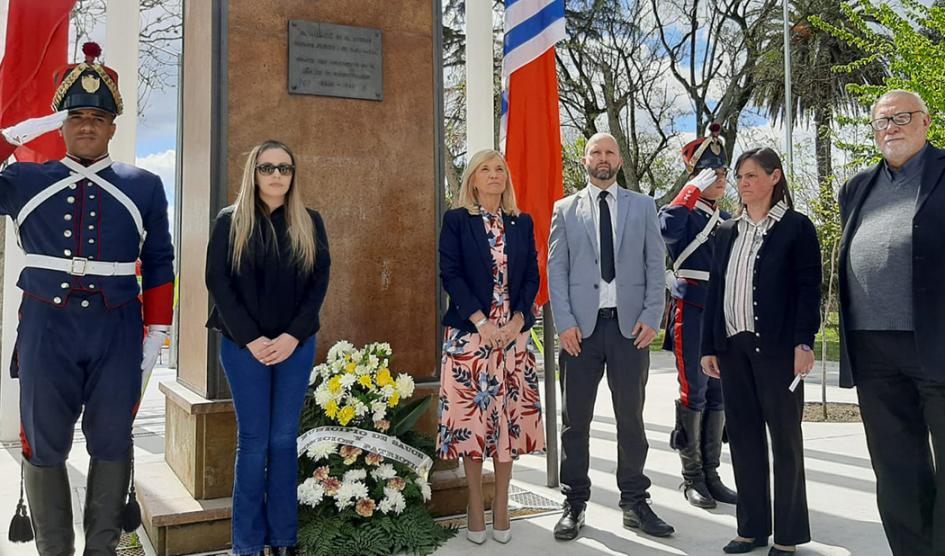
[608, 292]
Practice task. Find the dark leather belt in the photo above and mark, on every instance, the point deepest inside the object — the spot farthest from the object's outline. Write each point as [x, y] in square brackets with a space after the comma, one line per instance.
[607, 313]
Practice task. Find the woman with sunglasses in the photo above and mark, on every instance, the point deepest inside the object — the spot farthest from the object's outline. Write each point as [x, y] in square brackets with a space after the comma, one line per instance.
[267, 273]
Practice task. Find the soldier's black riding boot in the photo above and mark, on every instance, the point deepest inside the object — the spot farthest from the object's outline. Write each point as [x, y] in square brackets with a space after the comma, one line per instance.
[686, 439]
[50, 502]
[105, 497]
[713, 423]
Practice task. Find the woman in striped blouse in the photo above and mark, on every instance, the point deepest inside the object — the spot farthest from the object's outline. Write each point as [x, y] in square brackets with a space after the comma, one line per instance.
[762, 312]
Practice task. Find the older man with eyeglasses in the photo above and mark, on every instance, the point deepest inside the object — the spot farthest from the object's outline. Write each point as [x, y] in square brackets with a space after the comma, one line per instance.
[892, 320]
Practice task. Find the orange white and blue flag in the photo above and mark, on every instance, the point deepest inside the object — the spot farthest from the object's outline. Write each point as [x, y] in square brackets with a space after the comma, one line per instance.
[530, 129]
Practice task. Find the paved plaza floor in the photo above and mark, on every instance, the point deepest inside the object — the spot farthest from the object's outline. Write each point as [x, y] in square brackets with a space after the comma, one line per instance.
[840, 485]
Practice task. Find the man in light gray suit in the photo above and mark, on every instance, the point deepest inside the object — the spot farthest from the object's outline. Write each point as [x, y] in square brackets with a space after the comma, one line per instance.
[605, 275]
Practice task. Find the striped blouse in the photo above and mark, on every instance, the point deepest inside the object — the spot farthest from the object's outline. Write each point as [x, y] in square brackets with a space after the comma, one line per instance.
[739, 286]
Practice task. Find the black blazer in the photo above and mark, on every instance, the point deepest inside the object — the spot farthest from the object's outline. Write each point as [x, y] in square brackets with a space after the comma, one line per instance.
[466, 267]
[786, 287]
[268, 296]
[928, 263]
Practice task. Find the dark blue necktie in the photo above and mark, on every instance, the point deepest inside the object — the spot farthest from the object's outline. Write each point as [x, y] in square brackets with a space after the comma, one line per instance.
[607, 269]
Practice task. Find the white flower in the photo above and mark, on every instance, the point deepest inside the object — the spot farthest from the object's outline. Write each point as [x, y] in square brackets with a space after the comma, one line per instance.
[313, 376]
[404, 385]
[373, 361]
[362, 370]
[348, 491]
[355, 475]
[393, 501]
[379, 409]
[383, 472]
[424, 488]
[388, 390]
[347, 380]
[321, 450]
[340, 349]
[323, 395]
[311, 492]
[360, 408]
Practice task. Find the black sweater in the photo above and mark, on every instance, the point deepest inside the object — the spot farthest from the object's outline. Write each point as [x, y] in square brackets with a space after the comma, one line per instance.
[785, 291]
[268, 296]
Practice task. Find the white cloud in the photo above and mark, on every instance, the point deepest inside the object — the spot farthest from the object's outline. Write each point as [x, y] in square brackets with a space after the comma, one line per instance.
[164, 164]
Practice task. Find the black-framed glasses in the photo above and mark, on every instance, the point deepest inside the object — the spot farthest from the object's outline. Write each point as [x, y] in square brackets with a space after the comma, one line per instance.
[267, 169]
[899, 118]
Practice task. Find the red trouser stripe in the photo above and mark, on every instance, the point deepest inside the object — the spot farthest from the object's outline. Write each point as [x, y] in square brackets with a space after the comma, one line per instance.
[25, 443]
[678, 351]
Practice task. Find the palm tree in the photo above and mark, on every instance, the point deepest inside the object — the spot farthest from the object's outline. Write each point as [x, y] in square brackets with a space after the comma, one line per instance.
[818, 92]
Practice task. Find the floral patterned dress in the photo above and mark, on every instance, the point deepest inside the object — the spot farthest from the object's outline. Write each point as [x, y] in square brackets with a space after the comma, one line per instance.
[489, 401]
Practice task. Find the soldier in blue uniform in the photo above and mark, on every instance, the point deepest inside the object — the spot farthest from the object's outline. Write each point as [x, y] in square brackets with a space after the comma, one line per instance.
[83, 222]
[687, 224]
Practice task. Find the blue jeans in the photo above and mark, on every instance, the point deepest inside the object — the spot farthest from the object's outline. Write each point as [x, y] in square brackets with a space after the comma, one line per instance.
[268, 401]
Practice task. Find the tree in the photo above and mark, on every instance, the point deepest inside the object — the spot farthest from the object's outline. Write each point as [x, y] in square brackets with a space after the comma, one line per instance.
[818, 91]
[713, 48]
[610, 74]
[159, 41]
[906, 42]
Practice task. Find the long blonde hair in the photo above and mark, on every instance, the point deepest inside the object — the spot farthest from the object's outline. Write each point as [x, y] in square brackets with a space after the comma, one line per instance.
[298, 221]
[468, 197]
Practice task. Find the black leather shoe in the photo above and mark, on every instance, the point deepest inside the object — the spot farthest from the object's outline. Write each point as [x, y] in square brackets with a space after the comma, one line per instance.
[698, 495]
[775, 551]
[743, 547]
[569, 525]
[641, 516]
[720, 492]
[283, 551]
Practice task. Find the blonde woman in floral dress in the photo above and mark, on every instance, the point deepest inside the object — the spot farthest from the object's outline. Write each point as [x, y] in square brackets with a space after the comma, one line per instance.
[489, 399]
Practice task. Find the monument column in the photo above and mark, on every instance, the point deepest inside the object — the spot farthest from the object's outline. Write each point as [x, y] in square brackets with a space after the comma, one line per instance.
[364, 118]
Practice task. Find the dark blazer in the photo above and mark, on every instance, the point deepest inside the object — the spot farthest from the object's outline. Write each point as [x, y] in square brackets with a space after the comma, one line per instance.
[268, 296]
[928, 263]
[466, 267]
[786, 287]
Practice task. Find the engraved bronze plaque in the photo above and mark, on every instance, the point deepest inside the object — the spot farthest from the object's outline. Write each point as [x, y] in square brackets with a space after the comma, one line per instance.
[335, 60]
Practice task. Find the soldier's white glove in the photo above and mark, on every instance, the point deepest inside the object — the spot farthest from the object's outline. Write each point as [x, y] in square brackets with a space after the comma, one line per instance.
[704, 179]
[153, 343]
[25, 131]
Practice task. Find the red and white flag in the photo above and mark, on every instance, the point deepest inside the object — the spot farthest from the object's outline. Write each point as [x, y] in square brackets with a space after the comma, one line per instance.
[35, 46]
[530, 132]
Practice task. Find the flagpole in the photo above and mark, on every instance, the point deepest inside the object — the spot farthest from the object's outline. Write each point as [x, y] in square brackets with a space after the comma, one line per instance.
[551, 402]
[788, 100]
[480, 106]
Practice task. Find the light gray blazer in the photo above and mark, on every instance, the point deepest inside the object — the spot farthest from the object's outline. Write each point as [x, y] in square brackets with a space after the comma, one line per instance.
[574, 271]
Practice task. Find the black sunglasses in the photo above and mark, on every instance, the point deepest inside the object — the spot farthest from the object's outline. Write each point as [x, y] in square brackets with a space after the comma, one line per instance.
[267, 169]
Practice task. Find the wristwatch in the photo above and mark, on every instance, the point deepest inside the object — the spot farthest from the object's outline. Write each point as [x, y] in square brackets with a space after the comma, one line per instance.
[478, 324]
[805, 347]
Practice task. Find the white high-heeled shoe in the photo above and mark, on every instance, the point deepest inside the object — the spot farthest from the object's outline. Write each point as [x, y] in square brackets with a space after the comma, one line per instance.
[477, 537]
[502, 536]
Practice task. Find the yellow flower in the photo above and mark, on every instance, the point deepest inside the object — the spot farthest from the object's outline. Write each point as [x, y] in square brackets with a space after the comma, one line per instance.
[345, 415]
[331, 408]
[350, 367]
[365, 380]
[384, 378]
[334, 384]
[394, 400]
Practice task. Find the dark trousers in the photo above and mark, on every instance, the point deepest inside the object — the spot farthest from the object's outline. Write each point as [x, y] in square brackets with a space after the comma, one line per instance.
[627, 371]
[268, 401]
[756, 395]
[697, 391]
[82, 356]
[901, 408]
